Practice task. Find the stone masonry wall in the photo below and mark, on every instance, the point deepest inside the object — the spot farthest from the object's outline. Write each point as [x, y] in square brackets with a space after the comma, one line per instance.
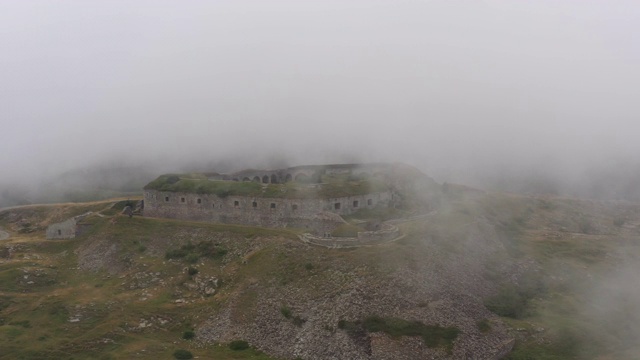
[268, 212]
[62, 230]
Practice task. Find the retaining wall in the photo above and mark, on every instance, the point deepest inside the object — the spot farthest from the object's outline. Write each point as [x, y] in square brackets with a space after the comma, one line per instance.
[388, 233]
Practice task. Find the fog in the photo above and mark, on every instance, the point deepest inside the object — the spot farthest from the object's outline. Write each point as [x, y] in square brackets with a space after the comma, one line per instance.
[532, 96]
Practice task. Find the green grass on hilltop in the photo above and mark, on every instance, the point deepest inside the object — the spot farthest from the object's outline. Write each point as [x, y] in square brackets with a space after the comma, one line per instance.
[331, 187]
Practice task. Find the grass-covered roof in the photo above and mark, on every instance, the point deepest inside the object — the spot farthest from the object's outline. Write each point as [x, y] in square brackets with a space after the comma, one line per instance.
[329, 187]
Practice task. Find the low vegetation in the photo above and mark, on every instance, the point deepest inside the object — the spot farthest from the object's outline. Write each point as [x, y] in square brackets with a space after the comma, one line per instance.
[191, 253]
[330, 187]
[238, 345]
[432, 335]
[182, 354]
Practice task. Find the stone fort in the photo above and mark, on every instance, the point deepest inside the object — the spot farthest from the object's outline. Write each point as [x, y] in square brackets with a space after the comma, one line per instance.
[311, 197]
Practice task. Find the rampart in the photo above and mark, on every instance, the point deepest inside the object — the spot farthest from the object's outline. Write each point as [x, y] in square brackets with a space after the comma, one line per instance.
[317, 214]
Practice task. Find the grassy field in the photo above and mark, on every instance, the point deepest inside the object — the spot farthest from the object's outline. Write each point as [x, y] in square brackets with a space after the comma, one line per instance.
[50, 308]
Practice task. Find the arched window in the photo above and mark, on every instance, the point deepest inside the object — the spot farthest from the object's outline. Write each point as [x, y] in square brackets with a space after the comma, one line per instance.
[256, 179]
[288, 178]
[265, 179]
[274, 179]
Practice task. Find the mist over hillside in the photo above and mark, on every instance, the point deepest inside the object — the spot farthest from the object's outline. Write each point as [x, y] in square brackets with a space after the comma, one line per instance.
[535, 97]
[616, 180]
[535, 102]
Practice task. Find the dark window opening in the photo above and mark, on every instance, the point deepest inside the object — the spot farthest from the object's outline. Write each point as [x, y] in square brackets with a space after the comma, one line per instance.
[369, 202]
[255, 204]
[166, 198]
[288, 178]
[355, 203]
[256, 179]
[265, 179]
[336, 206]
[236, 203]
[273, 205]
[59, 232]
[294, 207]
[181, 199]
[274, 179]
[214, 206]
[199, 201]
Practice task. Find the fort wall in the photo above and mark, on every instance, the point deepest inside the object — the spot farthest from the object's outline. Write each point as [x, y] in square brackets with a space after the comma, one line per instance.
[259, 211]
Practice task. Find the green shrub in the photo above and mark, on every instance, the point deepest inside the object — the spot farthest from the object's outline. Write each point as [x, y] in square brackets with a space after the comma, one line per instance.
[192, 258]
[188, 335]
[182, 354]
[509, 302]
[512, 301]
[175, 254]
[286, 312]
[192, 253]
[238, 345]
[432, 335]
[483, 325]
[298, 321]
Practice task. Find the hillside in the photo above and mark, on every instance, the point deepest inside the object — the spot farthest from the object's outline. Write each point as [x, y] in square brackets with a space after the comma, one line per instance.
[482, 272]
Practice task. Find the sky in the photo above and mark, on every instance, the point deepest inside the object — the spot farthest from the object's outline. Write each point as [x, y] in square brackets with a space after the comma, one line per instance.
[456, 88]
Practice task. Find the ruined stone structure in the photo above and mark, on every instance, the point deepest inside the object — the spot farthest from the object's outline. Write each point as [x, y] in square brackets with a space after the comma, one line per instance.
[67, 229]
[319, 215]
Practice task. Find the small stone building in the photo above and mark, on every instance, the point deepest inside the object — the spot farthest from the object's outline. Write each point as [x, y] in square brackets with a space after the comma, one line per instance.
[67, 229]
